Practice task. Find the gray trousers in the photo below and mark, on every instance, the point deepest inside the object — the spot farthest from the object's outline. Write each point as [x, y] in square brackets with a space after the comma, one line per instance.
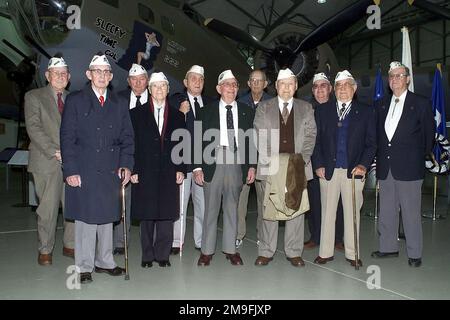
[198, 200]
[93, 246]
[119, 241]
[224, 188]
[50, 192]
[406, 196]
[242, 211]
[294, 232]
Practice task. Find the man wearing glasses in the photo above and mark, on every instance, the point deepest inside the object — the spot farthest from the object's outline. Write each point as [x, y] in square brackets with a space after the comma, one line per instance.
[225, 166]
[43, 109]
[97, 142]
[405, 136]
[257, 82]
[345, 146]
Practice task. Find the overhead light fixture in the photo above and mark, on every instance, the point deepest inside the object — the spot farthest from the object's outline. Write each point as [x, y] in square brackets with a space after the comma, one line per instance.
[321, 1]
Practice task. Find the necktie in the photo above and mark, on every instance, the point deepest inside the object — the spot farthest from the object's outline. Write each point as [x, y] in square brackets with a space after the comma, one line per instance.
[285, 113]
[159, 110]
[230, 128]
[196, 107]
[60, 103]
[102, 100]
[341, 111]
[138, 101]
[395, 104]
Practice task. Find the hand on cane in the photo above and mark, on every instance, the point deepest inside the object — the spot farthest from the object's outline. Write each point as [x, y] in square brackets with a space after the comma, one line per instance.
[126, 177]
[180, 177]
[359, 171]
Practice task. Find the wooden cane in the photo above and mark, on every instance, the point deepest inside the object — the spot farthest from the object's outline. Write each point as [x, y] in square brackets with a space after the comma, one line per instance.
[355, 230]
[124, 221]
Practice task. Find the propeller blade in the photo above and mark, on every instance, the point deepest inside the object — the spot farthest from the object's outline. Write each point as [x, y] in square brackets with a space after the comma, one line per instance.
[432, 8]
[37, 47]
[335, 25]
[234, 33]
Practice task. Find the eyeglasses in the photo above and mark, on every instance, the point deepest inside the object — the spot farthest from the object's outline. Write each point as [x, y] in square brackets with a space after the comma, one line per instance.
[230, 84]
[99, 72]
[321, 86]
[59, 74]
[343, 85]
[256, 81]
[397, 76]
[159, 86]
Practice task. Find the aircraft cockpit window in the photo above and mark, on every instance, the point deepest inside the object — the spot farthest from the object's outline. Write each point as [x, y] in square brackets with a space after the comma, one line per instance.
[112, 3]
[146, 13]
[167, 25]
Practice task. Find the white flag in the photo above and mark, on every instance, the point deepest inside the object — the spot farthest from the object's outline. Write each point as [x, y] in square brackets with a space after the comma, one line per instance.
[406, 56]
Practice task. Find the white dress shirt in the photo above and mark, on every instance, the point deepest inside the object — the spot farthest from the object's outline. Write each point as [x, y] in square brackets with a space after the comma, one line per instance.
[161, 115]
[191, 100]
[281, 104]
[133, 99]
[346, 111]
[223, 122]
[98, 94]
[394, 115]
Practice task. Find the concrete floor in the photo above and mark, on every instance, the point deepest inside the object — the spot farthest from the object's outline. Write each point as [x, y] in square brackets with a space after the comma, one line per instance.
[22, 278]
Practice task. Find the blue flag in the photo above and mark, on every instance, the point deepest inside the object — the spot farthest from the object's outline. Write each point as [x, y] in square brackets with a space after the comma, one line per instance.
[378, 94]
[438, 104]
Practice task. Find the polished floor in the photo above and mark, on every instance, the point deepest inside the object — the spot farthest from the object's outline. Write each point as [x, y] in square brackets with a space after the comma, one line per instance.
[22, 278]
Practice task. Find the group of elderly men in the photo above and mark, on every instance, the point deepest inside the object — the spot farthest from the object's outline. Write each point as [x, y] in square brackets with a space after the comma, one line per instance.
[96, 141]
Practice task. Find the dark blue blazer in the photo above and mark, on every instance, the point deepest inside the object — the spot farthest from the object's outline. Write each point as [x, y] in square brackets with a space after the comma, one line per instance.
[248, 100]
[361, 143]
[413, 139]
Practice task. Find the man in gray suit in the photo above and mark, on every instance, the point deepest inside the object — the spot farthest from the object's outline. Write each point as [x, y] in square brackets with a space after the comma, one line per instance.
[283, 125]
[43, 108]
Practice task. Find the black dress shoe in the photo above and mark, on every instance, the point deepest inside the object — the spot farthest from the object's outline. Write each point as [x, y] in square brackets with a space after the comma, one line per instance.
[85, 277]
[164, 263]
[117, 271]
[198, 248]
[146, 264]
[118, 250]
[175, 250]
[379, 254]
[415, 262]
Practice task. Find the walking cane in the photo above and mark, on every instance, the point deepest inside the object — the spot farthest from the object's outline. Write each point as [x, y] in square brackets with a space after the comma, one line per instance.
[181, 218]
[124, 221]
[355, 231]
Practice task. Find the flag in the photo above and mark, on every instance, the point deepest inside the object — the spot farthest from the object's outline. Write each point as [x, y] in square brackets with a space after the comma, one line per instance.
[406, 56]
[378, 95]
[438, 104]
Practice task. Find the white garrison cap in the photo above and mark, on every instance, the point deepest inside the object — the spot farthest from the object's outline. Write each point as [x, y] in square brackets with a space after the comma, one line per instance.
[56, 63]
[157, 76]
[227, 74]
[196, 69]
[136, 70]
[285, 73]
[320, 76]
[99, 61]
[343, 75]
[394, 65]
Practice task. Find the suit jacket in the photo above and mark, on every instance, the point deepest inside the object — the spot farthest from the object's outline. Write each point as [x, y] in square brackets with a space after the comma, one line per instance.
[413, 139]
[155, 197]
[43, 120]
[267, 125]
[361, 141]
[210, 119]
[174, 102]
[95, 142]
[248, 100]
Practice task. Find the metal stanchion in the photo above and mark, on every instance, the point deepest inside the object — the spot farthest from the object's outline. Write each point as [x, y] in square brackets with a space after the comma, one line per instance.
[355, 226]
[434, 215]
[181, 218]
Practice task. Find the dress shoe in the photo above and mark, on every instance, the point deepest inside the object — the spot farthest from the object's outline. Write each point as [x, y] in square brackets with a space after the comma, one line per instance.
[415, 262]
[204, 260]
[174, 251]
[85, 277]
[339, 246]
[146, 264]
[234, 258]
[164, 263]
[309, 244]
[296, 261]
[262, 261]
[67, 252]
[353, 262]
[379, 254]
[44, 259]
[198, 248]
[321, 260]
[119, 250]
[117, 271]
